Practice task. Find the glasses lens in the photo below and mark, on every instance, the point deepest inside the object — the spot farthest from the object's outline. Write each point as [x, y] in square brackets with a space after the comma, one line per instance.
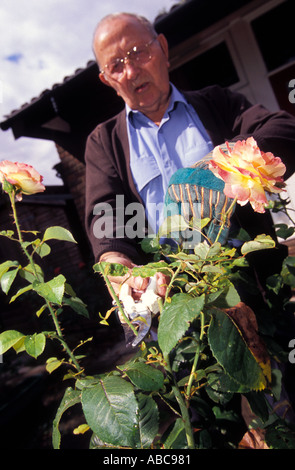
[139, 54]
[116, 67]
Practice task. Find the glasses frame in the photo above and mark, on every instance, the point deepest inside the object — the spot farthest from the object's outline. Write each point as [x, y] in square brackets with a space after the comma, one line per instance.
[124, 60]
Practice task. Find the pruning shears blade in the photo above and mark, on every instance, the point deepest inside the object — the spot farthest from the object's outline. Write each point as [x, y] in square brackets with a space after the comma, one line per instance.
[144, 323]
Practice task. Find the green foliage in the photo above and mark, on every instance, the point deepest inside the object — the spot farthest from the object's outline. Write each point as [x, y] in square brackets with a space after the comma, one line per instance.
[178, 392]
[176, 318]
[233, 353]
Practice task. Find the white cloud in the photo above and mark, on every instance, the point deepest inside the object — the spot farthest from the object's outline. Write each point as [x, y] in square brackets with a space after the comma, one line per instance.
[41, 43]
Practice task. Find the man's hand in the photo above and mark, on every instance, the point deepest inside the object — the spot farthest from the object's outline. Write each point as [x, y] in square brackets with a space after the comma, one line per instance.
[138, 284]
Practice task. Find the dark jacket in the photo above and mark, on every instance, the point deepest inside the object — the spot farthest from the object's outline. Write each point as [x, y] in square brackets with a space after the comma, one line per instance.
[227, 116]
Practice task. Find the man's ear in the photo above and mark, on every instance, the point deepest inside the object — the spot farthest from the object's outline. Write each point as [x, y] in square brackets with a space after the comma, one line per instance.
[164, 45]
[103, 79]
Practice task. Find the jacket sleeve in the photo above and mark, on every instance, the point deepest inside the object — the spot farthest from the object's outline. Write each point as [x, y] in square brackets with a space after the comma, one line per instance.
[273, 132]
[234, 118]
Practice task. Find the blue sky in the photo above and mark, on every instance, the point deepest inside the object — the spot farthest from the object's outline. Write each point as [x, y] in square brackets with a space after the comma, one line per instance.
[41, 43]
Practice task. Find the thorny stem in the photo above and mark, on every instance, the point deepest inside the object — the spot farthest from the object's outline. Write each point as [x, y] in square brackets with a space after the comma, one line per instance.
[116, 299]
[285, 210]
[196, 359]
[183, 408]
[224, 218]
[19, 233]
[31, 261]
[171, 282]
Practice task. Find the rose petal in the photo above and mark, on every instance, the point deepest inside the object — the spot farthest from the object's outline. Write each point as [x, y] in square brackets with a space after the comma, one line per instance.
[247, 172]
[24, 177]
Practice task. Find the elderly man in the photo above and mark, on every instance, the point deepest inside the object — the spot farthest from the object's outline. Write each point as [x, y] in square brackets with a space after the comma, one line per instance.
[135, 153]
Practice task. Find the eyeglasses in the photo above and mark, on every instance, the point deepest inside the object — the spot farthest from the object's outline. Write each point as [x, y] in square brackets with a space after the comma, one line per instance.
[138, 55]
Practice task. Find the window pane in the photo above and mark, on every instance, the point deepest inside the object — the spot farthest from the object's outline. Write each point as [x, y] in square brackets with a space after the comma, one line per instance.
[274, 32]
[214, 66]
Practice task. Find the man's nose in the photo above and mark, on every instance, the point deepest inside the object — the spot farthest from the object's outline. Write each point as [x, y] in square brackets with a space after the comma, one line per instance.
[131, 69]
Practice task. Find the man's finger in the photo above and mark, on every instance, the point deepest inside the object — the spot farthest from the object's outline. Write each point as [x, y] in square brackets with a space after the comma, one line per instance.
[162, 283]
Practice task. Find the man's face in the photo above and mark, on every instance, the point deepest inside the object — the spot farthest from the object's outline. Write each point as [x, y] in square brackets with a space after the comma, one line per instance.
[144, 87]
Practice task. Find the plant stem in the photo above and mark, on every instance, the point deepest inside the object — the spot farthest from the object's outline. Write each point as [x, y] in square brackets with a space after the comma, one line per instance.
[196, 359]
[69, 352]
[19, 233]
[183, 409]
[171, 282]
[31, 261]
[116, 299]
[286, 210]
[225, 217]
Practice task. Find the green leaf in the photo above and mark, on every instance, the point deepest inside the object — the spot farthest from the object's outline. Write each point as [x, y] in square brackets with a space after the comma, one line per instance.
[20, 292]
[228, 297]
[70, 398]
[81, 429]
[261, 242]
[258, 404]
[176, 318]
[202, 250]
[143, 376]
[53, 363]
[7, 233]
[4, 267]
[7, 279]
[274, 283]
[28, 273]
[177, 437]
[222, 383]
[173, 224]
[210, 268]
[232, 352]
[111, 410]
[283, 231]
[35, 344]
[150, 269]
[280, 436]
[288, 271]
[214, 250]
[43, 249]
[53, 290]
[199, 224]
[10, 339]
[41, 310]
[111, 269]
[77, 305]
[150, 244]
[58, 233]
[148, 420]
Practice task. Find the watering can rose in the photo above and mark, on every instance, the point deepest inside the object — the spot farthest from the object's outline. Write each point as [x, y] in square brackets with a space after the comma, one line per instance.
[23, 177]
[248, 172]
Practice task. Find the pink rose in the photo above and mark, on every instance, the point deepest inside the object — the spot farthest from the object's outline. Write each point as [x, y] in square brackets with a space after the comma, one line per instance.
[23, 177]
[248, 172]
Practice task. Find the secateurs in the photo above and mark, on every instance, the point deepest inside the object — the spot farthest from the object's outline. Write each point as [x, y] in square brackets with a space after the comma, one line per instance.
[139, 312]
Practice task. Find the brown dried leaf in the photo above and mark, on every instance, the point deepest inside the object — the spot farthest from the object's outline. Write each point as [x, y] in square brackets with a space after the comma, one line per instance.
[253, 439]
[245, 319]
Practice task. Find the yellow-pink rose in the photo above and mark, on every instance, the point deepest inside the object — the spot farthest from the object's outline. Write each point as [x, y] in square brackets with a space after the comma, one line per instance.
[248, 172]
[23, 177]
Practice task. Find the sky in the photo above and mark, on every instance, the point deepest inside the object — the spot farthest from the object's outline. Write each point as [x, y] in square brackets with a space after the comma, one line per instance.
[42, 42]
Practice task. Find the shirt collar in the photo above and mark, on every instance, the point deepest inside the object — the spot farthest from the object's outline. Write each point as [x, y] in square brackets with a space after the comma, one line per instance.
[175, 97]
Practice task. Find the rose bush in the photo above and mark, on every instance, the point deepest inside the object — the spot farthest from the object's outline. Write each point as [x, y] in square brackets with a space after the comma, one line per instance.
[248, 172]
[212, 351]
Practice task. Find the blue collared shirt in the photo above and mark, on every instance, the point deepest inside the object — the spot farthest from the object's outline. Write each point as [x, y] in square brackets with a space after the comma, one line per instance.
[156, 152]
